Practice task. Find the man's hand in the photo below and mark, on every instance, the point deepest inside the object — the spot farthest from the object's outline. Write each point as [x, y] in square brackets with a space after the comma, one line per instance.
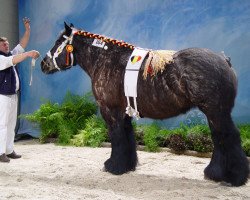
[26, 22]
[33, 54]
[25, 39]
[22, 56]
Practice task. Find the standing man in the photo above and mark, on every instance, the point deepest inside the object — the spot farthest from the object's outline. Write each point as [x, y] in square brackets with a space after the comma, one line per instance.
[9, 86]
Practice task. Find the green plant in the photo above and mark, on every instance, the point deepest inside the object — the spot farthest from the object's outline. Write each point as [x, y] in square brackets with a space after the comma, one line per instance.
[150, 137]
[182, 130]
[198, 138]
[177, 142]
[93, 135]
[139, 134]
[199, 142]
[76, 109]
[244, 131]
[163, 137]
[246, 146]
[63, 121]
[199, 129]
[48, 117]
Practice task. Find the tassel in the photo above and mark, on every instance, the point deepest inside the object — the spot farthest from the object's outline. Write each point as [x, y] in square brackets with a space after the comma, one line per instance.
[69, 49]
[67, 58]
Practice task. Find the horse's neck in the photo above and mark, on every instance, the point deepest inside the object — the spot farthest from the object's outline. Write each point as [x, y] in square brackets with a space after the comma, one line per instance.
[91, 58]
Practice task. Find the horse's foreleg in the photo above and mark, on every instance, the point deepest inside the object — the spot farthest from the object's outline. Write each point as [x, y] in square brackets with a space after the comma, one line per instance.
[228, 162]
[123, 155]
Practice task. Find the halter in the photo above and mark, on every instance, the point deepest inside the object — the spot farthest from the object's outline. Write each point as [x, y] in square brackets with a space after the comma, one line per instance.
[69, 48]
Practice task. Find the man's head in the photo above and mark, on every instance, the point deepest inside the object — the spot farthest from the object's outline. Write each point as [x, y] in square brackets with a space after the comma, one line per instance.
[4, 45]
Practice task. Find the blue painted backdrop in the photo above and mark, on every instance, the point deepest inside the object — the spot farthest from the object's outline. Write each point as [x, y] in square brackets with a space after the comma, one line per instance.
[221, 25]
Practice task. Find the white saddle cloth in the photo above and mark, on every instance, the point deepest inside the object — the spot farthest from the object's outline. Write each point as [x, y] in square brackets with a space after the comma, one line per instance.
[131, 77]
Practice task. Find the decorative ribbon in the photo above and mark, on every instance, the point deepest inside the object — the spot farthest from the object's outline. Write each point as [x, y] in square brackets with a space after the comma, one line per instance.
[105, 39]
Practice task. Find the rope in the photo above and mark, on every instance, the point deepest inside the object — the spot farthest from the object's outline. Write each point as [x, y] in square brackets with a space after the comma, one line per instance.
[32, 67]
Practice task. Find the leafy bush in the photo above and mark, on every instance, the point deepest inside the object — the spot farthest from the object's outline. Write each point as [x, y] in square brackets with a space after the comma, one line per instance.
[163, 137]
[199, 129]
[75, 118]
[93, 135]
[177, 142]
[48, 117]
[199, 139]
[245, 137]
[182, 130]
[63, 121]
[139, 134]
[199, 142]
[246, 146]
[150, 137]
[244, 131]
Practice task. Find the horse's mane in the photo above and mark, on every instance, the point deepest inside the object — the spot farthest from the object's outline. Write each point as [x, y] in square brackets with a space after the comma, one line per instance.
[156, 60]
[105, 39]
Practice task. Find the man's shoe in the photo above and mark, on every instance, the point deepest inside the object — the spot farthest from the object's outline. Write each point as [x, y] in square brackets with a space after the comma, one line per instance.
[13, 155]
[4, 158]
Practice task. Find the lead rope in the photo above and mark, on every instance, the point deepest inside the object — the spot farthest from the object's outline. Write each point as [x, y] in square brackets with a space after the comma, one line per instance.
[32, 67]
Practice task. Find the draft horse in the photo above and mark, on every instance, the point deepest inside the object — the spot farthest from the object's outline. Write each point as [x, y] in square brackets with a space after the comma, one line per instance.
[195, 78]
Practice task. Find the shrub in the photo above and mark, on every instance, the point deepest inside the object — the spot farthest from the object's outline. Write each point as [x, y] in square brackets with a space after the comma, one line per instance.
[150, 137]
[182, 130]
[163, 137]
[244, 131]
[63, 121]
[199, 139]
[199, 142]
[246, 146]
[77, 109]
[177, 142]
[93, 135]
[139, 134]
[199, 129]
[48, 117]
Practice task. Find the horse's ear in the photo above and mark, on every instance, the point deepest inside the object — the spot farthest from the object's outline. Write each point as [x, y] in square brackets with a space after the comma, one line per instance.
[71, 25]
[67, 28]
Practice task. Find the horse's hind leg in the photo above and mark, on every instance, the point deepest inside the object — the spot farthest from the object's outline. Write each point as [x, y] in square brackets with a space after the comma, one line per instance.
[123, 155]
[229, 162]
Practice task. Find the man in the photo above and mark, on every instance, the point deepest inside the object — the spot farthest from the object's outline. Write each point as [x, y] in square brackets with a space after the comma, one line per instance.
[9, 86]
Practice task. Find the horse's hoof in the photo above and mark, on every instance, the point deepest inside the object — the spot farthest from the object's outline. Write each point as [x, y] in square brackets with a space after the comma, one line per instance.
[213, 173]
[115, 167]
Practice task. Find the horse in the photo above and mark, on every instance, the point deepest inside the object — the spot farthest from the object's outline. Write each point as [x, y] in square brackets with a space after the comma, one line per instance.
[194, 78]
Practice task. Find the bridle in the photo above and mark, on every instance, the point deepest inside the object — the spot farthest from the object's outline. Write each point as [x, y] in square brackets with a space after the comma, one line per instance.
[67, 43]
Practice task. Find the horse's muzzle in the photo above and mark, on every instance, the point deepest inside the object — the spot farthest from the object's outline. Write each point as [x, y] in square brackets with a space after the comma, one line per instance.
[47, 65]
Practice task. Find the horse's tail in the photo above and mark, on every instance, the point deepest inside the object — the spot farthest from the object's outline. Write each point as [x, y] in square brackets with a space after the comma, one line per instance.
[227, 58]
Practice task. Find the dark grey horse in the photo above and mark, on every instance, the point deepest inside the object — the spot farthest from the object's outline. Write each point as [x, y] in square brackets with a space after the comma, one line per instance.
[195, 78]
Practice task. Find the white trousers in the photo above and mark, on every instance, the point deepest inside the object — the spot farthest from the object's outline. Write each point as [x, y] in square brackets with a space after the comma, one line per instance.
[8, 117]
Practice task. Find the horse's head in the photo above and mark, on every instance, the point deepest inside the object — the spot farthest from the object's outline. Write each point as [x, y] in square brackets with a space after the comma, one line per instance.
[61, 55]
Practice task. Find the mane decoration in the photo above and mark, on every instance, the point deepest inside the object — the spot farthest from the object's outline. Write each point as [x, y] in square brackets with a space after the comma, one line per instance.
[157, 61]
[106, 39]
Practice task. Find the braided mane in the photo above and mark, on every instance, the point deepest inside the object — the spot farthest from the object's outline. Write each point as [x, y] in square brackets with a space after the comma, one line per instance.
[105, 39]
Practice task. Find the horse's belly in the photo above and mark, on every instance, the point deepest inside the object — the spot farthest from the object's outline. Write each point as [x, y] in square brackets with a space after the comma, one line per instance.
[160, 108]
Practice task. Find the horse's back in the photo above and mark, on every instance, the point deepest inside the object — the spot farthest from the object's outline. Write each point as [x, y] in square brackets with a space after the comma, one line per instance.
[196, 77]
[208, 76]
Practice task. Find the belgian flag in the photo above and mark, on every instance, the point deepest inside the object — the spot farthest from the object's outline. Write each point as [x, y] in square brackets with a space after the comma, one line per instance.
[135, 59]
